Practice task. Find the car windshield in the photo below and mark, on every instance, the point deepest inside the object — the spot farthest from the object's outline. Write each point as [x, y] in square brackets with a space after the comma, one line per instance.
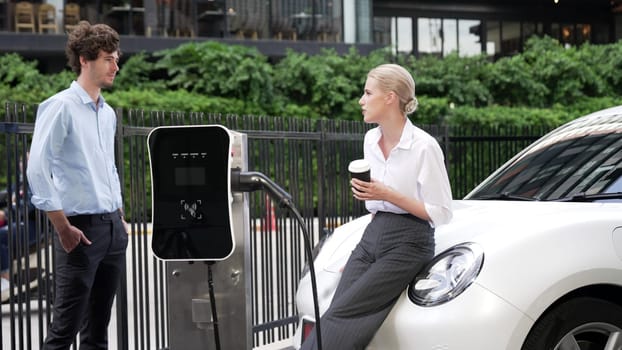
[573, 168]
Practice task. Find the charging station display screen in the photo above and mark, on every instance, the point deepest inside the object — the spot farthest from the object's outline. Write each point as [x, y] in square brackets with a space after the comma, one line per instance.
[190, 174]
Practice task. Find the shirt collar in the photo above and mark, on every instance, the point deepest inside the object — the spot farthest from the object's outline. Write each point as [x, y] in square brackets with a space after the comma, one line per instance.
[408, 135]
[84, 96]
[406, 140]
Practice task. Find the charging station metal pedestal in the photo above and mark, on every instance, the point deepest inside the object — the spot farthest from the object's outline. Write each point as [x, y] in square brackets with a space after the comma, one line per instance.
[191, 277]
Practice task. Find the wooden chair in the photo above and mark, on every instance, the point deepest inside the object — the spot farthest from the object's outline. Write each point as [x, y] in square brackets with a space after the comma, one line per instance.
[71, 16]
[46, 18]
[24, 16]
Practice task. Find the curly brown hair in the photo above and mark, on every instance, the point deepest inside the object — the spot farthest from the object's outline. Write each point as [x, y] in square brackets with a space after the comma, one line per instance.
[87, 40]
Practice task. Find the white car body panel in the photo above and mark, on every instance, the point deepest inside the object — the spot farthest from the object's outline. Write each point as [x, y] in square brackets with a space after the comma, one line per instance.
[530, 261]
[328, 265]
[451, 326]
[617, 241]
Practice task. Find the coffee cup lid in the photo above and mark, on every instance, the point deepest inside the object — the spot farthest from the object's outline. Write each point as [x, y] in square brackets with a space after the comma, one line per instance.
[358, 166]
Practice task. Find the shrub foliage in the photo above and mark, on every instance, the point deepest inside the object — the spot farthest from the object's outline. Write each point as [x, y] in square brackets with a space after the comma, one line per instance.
[545, 85]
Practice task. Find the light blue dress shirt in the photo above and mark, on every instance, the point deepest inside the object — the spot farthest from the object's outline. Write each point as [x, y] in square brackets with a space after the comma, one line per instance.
[71, 165]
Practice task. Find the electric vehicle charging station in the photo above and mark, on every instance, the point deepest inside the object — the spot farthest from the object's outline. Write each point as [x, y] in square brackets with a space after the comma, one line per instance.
[200, 230]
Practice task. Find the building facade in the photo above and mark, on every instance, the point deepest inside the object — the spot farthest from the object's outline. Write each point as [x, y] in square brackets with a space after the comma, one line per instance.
[493, 27]
[420, 27]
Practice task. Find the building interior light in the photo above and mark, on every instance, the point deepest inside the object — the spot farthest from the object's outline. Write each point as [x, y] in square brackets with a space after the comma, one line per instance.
[556, 1]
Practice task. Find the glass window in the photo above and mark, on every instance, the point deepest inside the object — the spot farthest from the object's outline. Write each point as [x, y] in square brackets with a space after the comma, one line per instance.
[493, 38]
[402, 34]
[510, 38]
[429, 39]
[330, 17]
[449, 36]
[600, 33]
[582, 33]
[529, 29]
[617, 184]
[469, 37]
[364, 30]
[382, 31]
[567, 34]
[556, 31]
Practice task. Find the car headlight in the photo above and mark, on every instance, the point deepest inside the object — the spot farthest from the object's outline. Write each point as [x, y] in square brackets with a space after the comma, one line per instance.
[447, 275]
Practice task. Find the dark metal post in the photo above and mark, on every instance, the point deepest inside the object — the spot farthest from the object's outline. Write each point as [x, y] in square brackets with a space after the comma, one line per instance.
[122, 321]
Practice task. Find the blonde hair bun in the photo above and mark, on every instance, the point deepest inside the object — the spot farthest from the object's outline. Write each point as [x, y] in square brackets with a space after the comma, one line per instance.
[411, 106]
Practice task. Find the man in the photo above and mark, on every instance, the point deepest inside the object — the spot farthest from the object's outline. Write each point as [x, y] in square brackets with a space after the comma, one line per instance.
[73, 179]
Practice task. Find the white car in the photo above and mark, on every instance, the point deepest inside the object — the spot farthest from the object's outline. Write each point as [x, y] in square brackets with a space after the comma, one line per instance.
[531, 260]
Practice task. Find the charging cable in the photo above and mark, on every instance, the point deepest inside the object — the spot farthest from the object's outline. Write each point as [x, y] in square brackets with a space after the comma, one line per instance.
[212, 300]
[253, 181]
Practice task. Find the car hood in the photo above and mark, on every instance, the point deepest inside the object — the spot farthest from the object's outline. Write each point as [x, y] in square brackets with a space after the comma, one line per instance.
[491, 221]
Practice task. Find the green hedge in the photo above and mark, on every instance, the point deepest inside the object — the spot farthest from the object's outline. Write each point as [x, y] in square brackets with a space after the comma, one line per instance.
[545, 85]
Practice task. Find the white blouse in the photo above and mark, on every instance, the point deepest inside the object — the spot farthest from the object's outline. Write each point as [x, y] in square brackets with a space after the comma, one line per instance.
[415, 167]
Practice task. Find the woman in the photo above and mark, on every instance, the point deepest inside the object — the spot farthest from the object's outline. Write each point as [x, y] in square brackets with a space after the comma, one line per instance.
[409, 195]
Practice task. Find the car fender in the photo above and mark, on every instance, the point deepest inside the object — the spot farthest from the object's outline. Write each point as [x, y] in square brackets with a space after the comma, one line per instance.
[538, 261]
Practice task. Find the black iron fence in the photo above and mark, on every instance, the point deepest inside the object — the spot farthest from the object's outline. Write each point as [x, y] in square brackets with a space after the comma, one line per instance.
[309, 158]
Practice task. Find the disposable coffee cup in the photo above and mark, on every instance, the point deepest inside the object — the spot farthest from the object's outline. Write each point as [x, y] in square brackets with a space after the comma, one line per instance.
[359, 169]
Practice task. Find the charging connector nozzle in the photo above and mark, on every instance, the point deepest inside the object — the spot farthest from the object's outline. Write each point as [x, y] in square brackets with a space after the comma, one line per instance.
[252, 181]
